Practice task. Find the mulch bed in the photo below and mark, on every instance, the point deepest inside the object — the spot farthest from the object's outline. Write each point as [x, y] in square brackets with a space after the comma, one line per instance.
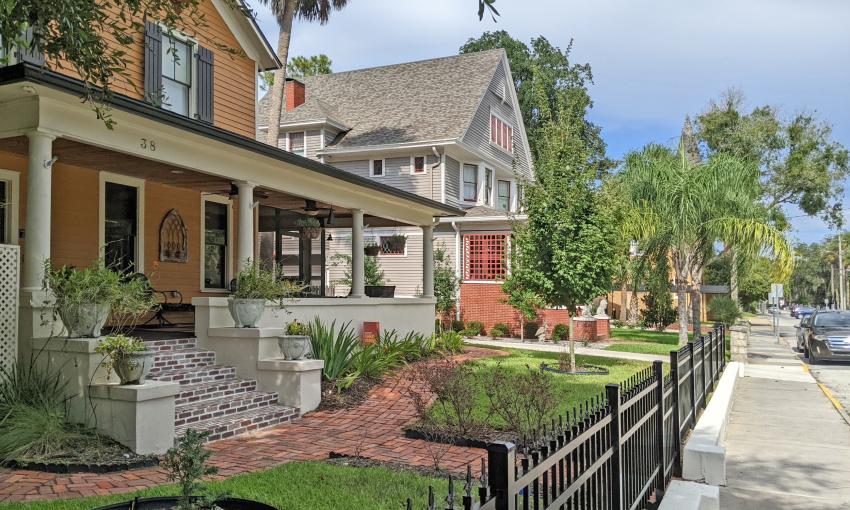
[90, 453]
[333, 399]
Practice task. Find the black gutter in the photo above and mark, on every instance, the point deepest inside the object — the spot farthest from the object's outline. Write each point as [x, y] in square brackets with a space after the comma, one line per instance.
[28, 72]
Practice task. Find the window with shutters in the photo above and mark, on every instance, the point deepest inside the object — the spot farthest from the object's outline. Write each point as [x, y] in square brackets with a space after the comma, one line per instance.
[501, 133]
[485, 257]
[178, 73]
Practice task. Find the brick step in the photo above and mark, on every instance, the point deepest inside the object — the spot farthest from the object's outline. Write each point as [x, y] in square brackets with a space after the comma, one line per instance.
[212, 390]
[240, 423]
[206, 374]
[223, 406]
[172, 344]
[182, 359]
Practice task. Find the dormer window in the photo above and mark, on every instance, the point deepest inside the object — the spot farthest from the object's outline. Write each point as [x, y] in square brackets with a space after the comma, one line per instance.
[501, 133]
[296, 143]
[418, 165]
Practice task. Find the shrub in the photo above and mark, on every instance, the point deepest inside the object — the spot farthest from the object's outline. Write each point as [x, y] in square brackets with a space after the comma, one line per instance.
[335, 347]
[524, 399]
[476, 326]
[32, 412]
[617, 323]
[724, 309]
[371, 361]
[186, 464]
[411, 347]
[374, 275]
[458, 326]
[530, 330]
[453, 386]
[450, 341]
[560, 333]
[500, 329]
[468, 332]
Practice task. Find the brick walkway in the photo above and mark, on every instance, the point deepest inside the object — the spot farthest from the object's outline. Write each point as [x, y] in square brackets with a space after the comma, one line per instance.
[374, 428]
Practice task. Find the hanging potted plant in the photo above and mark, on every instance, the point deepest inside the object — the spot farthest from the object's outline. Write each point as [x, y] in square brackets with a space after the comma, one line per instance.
[84, 298]
[255, 287]
[371, 249]
[309, 226]
[395, 243]
[295, 344]
[128, 356]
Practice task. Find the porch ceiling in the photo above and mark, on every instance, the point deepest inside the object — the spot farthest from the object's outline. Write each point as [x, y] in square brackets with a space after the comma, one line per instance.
[96, 158]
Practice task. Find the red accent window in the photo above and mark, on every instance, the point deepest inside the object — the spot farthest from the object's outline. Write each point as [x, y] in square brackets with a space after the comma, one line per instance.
[485, 256]
[501, 133]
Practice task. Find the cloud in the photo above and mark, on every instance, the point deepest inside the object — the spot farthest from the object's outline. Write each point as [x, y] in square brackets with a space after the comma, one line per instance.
[654, 61]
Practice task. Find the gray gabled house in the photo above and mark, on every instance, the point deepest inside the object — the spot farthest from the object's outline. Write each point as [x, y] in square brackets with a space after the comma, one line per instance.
[448, 129]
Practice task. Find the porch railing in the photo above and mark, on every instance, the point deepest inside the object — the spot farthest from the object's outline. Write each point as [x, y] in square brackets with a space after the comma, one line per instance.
[618, 451]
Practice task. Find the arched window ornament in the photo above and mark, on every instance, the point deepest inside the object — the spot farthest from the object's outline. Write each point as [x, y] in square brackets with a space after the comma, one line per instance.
[173, 238]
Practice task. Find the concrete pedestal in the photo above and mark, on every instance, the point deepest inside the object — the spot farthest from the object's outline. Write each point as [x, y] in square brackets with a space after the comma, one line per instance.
[739, 339]
[255, 354]
[584, 329]
[603, 327]
[141, 416]
[297, 383]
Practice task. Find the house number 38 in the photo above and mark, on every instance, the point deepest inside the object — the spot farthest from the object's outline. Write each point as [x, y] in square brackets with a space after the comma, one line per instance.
[148, 144]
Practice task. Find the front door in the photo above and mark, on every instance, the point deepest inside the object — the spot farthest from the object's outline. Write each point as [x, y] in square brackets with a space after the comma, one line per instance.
[121, 227]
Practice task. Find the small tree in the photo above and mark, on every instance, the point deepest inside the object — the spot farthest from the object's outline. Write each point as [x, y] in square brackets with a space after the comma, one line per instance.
[373, 273]
[186, 464]
[524, 301]
[445, 283]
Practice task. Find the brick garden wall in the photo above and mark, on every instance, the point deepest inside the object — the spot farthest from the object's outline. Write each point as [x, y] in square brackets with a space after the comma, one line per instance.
[483, 302]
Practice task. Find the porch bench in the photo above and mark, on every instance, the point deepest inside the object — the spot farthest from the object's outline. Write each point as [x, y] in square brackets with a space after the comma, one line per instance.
[170, 301]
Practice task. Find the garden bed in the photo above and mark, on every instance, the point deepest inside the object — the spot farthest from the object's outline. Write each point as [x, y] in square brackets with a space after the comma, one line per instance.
[334, 399]
[89, 453]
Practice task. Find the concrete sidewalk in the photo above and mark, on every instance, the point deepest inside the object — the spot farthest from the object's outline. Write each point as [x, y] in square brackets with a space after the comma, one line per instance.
[580, 350]
[787, 447]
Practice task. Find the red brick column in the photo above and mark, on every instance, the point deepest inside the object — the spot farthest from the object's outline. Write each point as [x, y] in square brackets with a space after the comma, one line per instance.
[584, 329]
[603, 327]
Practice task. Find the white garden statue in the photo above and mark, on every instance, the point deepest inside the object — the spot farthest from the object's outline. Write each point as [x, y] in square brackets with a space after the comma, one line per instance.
[602, 309]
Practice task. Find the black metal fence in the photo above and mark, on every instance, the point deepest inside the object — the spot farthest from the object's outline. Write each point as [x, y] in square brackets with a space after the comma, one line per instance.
[616, 451]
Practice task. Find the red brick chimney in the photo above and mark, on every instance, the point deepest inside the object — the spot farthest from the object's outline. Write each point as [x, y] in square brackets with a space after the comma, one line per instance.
[293, 91]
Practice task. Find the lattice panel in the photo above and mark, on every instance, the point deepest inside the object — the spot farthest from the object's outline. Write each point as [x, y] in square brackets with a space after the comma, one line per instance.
[485, 256]
[9, 281]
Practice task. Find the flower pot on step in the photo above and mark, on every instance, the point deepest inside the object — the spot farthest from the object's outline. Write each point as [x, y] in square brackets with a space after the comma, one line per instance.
[134, 367]
[295, 347]
[84, 320]
[246, 313]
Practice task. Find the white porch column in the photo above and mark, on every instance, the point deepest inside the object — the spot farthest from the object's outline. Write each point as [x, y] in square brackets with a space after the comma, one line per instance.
[358, 269]
[245, 232]
[39, 182]
[427, 261]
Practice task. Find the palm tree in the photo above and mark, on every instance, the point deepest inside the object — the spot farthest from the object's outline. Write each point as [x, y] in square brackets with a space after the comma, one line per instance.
[285, 11]
[685, 208]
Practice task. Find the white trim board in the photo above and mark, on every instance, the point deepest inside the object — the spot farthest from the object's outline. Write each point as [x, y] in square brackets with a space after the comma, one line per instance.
[139, 184]
[228, 264]
[13, 204]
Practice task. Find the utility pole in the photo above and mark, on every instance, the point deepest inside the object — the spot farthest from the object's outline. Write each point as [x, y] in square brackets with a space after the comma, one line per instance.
[842, 295]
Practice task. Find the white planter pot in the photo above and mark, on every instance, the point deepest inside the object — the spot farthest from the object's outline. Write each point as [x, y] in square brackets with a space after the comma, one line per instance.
[134, 367]
[84, 320]
[246, 313]
[295, 347]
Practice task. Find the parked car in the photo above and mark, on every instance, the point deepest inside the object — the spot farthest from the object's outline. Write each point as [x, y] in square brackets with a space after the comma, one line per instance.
[828, 336]
[802, 331]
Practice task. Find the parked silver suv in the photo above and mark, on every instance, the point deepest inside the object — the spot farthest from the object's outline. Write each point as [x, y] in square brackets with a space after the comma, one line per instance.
[828, 336]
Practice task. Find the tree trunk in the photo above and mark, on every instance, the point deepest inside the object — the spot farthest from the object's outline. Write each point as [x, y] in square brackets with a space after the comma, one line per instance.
[733, 277]
[682, 305]
[623, 305]
[572, 342]
[634, 312]
[696, 309]
[285, 23]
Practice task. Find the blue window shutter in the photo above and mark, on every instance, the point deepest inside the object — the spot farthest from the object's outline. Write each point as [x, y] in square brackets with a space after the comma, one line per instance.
[205, 84]
[30, 54]
[153, 63]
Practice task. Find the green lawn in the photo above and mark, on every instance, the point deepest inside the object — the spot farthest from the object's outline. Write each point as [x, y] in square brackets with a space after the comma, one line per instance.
[293, 486]
[642, 347]
[573, 388]
[647, 335]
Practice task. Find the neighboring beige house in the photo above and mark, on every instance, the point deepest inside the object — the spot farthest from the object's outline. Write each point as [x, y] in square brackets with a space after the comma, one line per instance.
[447, 129]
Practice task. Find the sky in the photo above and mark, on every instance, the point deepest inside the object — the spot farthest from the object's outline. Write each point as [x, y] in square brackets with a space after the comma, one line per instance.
[653, 61]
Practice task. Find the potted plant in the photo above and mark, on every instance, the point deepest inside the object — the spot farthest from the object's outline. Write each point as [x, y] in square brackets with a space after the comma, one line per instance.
[375, 286]
[84, 298]
[254, 287]
[186, 465]
[371, 249]
[128, 356]
[395, 243]
[295, 344]
[309, 226]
